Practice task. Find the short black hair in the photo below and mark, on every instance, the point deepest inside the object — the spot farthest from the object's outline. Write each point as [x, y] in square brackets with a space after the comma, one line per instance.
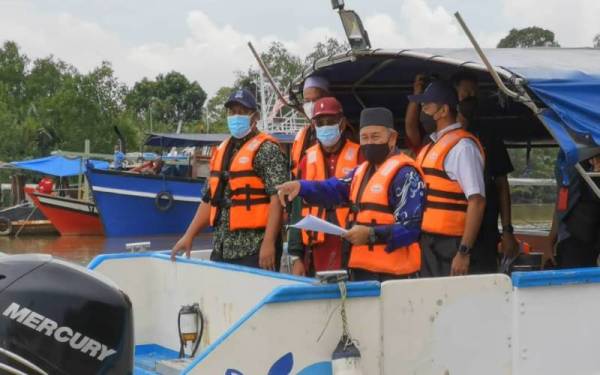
[464, 75]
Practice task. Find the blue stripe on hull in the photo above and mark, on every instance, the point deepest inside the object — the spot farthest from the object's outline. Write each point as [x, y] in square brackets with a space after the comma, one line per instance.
[125, 214]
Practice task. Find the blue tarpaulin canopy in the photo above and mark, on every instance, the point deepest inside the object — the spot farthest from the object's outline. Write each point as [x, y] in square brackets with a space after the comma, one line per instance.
[563, 82]
[58, 166]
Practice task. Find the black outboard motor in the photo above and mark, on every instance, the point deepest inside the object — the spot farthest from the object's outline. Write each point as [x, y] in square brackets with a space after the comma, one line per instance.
[59, 318]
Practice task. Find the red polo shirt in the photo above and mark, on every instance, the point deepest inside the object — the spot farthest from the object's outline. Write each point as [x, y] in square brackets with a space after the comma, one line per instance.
[328, 254]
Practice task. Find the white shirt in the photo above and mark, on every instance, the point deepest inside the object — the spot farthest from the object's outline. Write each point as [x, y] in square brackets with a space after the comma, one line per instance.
[464, 163]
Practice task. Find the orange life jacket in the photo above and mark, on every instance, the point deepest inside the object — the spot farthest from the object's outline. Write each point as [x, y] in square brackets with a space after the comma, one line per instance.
[316, 170]
[298, 148]
[249, 203]
[446, 205]
[371, 207]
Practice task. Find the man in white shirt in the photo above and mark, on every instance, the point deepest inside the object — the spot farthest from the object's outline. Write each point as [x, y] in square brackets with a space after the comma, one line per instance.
[452, 165]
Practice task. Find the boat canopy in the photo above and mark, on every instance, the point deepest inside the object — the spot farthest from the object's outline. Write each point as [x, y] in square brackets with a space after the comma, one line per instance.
[559, 87]
[58, 166]
[198, 139]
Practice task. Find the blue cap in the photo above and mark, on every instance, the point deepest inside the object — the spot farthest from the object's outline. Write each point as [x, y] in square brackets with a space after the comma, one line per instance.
[437, 92]
[243, 97]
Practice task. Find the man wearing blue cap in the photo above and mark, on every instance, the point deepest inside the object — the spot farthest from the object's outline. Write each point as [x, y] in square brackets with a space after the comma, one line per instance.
[484, 258]
[452, 164]
[240, 200]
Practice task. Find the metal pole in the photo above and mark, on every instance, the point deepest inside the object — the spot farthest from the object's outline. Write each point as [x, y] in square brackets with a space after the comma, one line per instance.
[588, 179]
[264, 68]
[150, 108]
[263, 102]
[87, 157]
[207, 122]
[486, 62]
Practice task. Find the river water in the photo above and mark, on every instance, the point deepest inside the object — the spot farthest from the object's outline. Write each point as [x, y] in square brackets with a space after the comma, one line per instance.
[82, 249]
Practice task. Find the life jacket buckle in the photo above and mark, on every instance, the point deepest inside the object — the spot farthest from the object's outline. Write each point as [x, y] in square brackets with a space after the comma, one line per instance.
[248, 201]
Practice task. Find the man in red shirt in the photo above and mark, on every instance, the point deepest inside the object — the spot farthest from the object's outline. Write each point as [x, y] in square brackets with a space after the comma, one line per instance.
[334, 155]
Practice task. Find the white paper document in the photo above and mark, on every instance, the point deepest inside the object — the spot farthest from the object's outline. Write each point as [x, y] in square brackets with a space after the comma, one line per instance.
[319, 225]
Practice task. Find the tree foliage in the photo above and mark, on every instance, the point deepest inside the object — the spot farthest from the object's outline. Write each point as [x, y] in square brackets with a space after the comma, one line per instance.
[597, 41]
[170, 101]
[217, 114]
[323, 49]
[46, 104]
[283, 66]
[528, 37]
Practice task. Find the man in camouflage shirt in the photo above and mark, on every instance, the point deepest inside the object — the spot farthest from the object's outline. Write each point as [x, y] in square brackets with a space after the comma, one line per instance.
[249, 247]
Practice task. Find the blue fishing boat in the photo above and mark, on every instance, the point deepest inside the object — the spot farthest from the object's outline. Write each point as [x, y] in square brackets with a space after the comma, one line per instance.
[137, 204]
[132, 204]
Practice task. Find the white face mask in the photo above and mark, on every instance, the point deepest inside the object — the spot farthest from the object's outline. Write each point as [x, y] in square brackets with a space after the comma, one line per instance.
[309, 108]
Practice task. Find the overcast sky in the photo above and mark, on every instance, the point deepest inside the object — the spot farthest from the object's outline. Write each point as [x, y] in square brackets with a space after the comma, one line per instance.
[206, 39]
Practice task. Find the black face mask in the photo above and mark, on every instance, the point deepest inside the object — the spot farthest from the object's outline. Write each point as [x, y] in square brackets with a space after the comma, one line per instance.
[375, 153]
[468, 108]
[427, 122]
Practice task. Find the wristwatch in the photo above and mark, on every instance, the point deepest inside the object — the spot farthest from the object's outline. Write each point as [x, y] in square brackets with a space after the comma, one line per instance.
[508, 229]
[464, 249]
[372, 236]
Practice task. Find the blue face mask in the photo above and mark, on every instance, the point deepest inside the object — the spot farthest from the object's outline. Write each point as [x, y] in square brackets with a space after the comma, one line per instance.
[328, 135]
[239, 125]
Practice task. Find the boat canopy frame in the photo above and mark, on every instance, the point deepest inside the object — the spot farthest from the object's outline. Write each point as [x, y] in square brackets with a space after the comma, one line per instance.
[513, 87]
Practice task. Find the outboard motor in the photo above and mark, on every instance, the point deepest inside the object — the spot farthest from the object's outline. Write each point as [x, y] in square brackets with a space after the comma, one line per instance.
[60, 318]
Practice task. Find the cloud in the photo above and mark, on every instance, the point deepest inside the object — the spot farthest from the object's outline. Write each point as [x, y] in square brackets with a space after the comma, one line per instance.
[420, 25]
[80, 43]
[210, 52]
[574, 23]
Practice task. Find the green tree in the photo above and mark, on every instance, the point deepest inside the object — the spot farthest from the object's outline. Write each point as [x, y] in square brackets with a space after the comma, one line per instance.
[283, 66]
[13, 67]
[171, 102]
[47, 105]
[323, 49]
[528, 37]
[539, 164]
[217, 114]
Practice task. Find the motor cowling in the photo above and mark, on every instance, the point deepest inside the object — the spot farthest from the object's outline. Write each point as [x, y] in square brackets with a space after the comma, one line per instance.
[59, 318]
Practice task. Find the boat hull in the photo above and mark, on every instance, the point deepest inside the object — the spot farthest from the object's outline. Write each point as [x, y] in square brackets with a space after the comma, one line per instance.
[71, 217]
[127, 203]
[471, 325]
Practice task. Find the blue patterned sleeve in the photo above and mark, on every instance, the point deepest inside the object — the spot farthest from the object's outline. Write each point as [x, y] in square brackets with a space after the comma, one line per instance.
[407, 197]
[327, 193]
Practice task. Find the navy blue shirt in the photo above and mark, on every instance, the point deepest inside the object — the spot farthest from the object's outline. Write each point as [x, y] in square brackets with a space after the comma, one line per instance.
[406, 196]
